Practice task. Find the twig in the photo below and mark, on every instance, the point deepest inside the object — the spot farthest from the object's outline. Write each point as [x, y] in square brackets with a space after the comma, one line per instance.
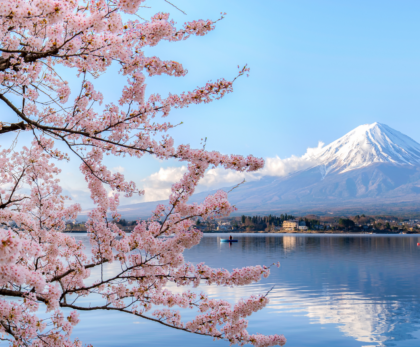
[237, 186]
[14, 143]
[170, 3]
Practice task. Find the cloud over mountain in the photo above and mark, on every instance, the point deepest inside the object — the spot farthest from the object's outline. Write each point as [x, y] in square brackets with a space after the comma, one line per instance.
[158, 185]
[371, 165]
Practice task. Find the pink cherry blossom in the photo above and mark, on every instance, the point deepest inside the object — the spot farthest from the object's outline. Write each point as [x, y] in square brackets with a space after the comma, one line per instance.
[40, 265]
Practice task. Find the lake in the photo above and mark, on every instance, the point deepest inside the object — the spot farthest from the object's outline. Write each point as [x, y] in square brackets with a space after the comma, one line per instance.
[344, 290]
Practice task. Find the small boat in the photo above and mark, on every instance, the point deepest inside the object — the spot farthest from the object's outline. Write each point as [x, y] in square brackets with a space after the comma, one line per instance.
[227, 240]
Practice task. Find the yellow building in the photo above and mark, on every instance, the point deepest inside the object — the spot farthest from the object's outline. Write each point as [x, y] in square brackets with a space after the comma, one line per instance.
[290, 224]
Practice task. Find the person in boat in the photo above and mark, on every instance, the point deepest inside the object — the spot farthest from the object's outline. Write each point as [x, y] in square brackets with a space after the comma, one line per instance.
[230, 237]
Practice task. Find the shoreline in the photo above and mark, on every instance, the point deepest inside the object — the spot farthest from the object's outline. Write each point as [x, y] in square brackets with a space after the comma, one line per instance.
[309, 232]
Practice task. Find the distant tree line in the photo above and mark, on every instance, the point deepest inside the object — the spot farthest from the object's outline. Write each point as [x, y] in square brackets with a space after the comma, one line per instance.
[263, 222]
[345, 223]
[310, 223]
[125, 223]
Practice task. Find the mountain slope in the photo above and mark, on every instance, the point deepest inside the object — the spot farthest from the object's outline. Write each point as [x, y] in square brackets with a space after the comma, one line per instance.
[366, 145]
[371, 165]
[377, 183]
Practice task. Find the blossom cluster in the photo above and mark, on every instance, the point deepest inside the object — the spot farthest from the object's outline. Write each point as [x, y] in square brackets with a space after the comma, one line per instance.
[41, 266]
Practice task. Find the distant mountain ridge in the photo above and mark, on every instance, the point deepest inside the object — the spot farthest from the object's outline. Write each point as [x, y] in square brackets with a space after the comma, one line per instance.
[372, 165]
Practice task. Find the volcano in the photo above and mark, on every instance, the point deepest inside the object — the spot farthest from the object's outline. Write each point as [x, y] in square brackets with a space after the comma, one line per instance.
[371, 167]
[367, 145]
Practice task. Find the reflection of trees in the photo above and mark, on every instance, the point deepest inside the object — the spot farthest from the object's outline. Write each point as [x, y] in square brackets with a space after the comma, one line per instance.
[366, 285]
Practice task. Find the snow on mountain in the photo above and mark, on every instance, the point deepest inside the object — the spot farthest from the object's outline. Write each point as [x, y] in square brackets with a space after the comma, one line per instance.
[366, 145]
[372, 167]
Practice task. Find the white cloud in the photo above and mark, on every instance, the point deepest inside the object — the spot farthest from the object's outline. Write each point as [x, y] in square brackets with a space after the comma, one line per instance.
[158, 185]
[283, 167]
[119, 169]
[219, 177]
[165, 177]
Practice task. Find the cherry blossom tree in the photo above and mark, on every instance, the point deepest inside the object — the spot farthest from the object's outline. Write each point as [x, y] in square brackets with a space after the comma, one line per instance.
[42, 268]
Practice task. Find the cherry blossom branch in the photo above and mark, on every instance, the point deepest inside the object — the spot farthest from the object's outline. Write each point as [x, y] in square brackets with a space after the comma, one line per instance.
[45, 266]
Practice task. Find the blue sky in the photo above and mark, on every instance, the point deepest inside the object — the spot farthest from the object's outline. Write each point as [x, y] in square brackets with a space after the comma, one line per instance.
[318, 69]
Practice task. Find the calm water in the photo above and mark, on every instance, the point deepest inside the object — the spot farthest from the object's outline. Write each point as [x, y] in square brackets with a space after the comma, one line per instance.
[342, 291]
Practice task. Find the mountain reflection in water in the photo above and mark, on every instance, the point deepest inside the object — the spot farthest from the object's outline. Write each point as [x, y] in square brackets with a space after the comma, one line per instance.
[329, 291]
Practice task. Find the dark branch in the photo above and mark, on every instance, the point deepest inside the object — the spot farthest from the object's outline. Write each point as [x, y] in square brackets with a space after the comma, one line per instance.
[13, 127]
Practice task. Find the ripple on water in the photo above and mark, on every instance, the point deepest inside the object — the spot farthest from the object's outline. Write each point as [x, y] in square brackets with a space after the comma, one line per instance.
[329, 291]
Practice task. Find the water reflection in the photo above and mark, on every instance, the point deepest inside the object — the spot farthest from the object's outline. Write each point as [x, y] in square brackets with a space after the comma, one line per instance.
[329, 291]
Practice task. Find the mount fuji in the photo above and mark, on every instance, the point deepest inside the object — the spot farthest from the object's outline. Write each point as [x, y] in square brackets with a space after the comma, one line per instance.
[366, 145]
[373, 167]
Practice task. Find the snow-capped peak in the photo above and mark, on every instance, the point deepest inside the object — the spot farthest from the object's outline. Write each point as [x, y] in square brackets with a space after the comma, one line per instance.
[366, 145]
